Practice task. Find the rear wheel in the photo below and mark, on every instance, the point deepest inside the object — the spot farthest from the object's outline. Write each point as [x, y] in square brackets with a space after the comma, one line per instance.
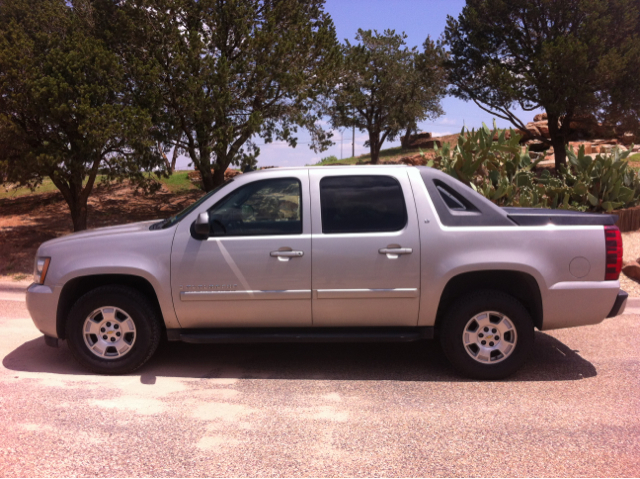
[113, 330]
[487, 335]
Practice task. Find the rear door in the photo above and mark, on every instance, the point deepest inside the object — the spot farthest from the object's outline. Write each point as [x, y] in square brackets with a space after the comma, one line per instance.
[365, 248]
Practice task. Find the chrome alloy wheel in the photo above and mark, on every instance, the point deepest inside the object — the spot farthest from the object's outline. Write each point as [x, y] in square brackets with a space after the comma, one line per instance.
[489, 337]
[109, 332]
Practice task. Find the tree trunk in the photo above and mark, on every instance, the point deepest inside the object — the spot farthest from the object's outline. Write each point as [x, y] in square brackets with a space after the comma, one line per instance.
[76, 200]
[204, 168]
[171, 165]
[75, 195]
[374, 147]
[218, 177]
[558, 140]
[405, 139]
[78, 209]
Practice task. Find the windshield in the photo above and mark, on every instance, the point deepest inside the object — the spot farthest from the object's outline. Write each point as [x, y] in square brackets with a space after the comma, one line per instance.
[173, 220]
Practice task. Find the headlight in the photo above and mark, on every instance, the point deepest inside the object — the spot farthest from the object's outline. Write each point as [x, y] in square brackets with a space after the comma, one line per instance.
[40, 271]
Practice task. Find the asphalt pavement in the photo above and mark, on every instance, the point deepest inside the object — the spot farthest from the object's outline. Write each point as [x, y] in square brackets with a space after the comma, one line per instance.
[321, 409]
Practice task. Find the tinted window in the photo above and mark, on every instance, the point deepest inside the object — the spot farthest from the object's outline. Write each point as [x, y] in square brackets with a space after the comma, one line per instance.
[361, 204]
[450, 199]
[267, 207]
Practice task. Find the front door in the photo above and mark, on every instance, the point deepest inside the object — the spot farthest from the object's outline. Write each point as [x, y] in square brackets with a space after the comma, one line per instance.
[366, 248]
[255, 268]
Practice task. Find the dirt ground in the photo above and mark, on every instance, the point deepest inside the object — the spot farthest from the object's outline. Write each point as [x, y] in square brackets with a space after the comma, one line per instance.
[28, 221]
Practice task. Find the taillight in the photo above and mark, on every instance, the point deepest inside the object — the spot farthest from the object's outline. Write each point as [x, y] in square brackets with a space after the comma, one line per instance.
[613, 241]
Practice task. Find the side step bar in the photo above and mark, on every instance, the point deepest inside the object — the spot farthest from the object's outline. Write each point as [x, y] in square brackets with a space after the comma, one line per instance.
[299, 335]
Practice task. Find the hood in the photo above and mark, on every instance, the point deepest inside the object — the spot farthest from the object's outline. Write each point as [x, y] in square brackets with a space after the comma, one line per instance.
[102, 233]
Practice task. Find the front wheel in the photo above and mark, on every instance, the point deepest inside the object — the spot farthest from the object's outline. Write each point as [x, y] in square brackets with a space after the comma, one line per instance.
[487, 335]
[113, 330]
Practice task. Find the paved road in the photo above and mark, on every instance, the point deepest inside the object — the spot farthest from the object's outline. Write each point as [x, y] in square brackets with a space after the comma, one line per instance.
[321, 410]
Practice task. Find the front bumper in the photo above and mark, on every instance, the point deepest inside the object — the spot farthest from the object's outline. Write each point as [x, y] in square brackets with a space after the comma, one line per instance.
[42, 303]
[619, 305]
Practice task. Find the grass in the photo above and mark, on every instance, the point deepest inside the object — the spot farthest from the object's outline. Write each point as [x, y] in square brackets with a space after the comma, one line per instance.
[177, 183]
[385, 155]
[8, 191]
[635, 157]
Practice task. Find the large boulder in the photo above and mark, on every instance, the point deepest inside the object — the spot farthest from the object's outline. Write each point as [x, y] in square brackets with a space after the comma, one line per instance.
[424, 143]
[418, 140]
[543, 127]
[532, 129]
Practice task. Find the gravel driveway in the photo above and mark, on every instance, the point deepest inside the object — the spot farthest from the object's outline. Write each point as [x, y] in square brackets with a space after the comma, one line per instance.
[321, 410]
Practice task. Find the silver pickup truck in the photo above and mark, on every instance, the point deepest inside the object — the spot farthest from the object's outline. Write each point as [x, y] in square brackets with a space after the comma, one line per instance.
[365, 253]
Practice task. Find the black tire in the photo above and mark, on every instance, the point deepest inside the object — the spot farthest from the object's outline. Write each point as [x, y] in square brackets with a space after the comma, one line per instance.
[140, 311]
[460, 314]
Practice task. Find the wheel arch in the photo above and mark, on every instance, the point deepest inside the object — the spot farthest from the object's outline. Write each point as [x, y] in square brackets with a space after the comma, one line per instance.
[78, 286]
[518, 284]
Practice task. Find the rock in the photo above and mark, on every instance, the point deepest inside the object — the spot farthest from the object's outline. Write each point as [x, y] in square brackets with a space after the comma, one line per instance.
[536, 145]
[543, 127]
[416, 160]
[229, 173]
[584, 126]
[547, 163]
[632, 270]
[540, 117]
[606, 148]
[418, 139]
[575, 145]
[532, 129]
[628, 139]
[425, 143]
[524, 134]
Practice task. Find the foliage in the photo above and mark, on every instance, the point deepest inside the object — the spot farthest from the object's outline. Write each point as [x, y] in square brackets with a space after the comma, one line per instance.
[64, 110]
[386, 88]
[328, 159]
[494, 164]
[605, 182]
[220, 74]
[571, 58]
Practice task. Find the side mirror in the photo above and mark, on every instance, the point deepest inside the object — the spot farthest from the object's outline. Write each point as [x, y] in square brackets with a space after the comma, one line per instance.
[201, 226]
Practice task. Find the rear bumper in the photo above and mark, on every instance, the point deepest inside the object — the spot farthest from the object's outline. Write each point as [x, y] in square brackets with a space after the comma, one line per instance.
[579, 303]
[619, 305]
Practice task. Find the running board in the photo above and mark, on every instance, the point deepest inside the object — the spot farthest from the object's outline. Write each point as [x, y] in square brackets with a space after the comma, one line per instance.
[300, 335]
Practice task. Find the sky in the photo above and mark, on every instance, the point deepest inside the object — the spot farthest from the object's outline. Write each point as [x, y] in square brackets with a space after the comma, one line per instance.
[418, 19]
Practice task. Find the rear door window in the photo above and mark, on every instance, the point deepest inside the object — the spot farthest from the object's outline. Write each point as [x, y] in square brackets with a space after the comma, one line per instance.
[362, 204]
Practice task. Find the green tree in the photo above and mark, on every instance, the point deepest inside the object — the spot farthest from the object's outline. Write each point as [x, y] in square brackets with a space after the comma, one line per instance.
[386, 88]
[569, 57]
[64, 113]
[228, 72]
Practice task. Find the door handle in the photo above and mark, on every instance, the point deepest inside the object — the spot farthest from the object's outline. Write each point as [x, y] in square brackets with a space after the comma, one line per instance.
[286, 255]
[395, 251]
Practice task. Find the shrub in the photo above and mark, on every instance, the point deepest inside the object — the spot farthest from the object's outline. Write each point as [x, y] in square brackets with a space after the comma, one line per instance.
[494, 164]
[327, 160]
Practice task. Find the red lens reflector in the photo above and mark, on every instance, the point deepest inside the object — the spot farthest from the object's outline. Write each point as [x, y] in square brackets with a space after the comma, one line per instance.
[613, 242]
